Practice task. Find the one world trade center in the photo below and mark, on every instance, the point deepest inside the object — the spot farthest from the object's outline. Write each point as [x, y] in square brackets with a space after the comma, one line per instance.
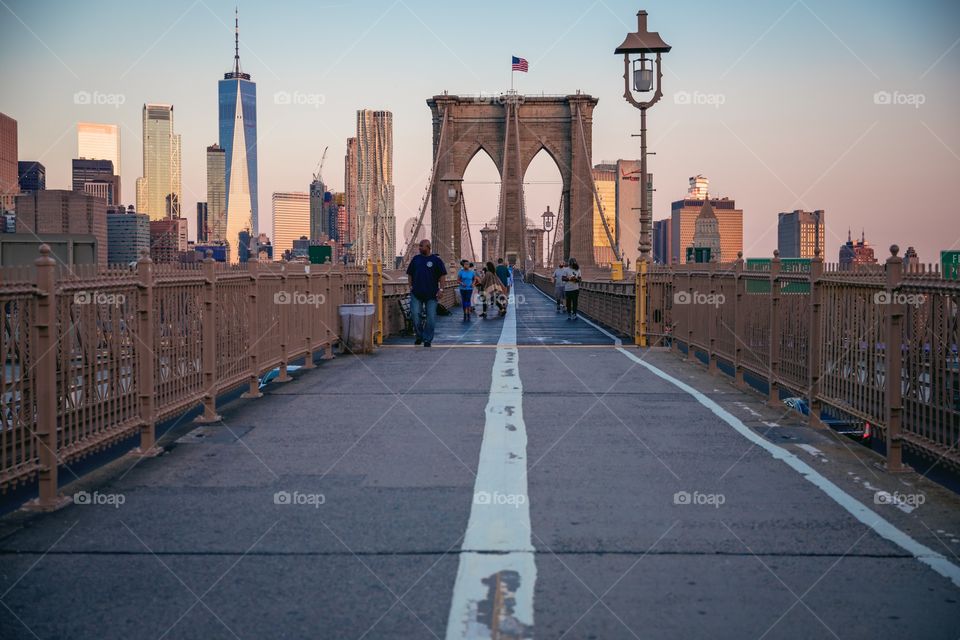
[238, 138]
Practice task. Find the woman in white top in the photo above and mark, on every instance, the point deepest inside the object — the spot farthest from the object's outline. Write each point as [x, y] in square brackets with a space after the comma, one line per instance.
[571, 288]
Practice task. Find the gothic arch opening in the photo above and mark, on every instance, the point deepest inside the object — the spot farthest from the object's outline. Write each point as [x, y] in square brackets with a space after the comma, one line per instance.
[542, 188]
[481, 194]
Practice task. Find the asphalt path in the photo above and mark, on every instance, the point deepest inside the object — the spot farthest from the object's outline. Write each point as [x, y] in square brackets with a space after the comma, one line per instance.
[523, 477]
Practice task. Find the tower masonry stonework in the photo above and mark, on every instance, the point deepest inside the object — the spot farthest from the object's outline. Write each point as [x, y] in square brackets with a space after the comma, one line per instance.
[512, 129]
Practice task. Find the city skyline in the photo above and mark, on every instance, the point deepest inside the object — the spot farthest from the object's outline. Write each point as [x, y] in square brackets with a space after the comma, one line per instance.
[763, 132]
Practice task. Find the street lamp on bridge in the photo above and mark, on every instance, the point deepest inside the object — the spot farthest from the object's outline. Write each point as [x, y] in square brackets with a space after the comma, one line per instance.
[548, 217]
[639, 67]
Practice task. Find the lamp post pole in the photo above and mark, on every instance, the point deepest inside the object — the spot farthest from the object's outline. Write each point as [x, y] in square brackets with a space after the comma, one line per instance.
[644, 43]
[547, 227]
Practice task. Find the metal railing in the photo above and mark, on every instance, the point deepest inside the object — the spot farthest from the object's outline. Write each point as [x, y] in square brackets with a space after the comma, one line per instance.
[93, 358]
[820, 332]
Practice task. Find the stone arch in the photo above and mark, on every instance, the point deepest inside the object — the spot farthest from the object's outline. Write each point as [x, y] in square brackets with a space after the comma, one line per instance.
[535, 123]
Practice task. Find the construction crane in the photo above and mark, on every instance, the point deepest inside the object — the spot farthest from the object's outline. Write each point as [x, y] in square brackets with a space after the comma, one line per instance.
[318, 175]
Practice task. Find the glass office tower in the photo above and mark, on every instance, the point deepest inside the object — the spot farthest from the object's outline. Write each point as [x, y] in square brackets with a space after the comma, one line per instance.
[238, 139]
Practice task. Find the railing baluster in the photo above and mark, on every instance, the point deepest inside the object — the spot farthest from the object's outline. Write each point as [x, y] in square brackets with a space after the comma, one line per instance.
[209, 341]
[45, 339]
[893, 376]
[146, 357]
[773, 376]
[253, 319]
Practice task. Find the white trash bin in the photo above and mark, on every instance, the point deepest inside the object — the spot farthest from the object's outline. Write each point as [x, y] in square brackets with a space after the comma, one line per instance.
[356, 327]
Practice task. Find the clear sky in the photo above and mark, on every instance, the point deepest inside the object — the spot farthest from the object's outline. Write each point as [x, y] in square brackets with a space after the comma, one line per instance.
[782, 111]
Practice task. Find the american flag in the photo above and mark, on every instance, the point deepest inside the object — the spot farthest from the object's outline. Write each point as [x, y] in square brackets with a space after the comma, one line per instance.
[519, 64]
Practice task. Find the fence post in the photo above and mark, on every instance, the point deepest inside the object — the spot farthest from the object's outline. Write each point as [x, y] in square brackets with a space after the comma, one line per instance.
[773, 376]
[284, 317]
[674, 325]
[369, 280]
[714, 323]
[209, 341]
[311, 320]
[739, 321]
[379, 303]
[146, 358]
[640, 308]
[45, 338]
[813, 342]
[893, 341]
[253, 321]
[688, 317]
[333, 298]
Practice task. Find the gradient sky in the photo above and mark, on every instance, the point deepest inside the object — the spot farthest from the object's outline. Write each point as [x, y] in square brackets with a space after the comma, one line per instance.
[797, 127]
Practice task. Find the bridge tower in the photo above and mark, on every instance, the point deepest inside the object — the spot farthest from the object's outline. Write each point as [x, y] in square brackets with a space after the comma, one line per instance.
[512, 129]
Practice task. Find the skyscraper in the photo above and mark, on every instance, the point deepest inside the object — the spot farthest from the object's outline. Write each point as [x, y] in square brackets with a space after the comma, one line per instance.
[661, 241]
[801, 233]
[158, 191]
[375, 192]
[351, 194]
[216, 195]
[605, 178]
[96, 177]
[318, 211]
[32, 175]
[99, 142]
[856, 253]
[9, 176]
[628, 208]
[203, 226]
[684, 214]
[238, 138]
[699, 187]
[291, 219]
[706, 234]
[128, 235]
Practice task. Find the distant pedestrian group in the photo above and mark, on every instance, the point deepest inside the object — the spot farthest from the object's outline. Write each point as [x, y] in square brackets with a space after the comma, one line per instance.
[566, 287]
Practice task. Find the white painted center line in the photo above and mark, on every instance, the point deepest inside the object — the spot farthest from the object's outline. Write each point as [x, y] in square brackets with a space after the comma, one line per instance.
[493, 592]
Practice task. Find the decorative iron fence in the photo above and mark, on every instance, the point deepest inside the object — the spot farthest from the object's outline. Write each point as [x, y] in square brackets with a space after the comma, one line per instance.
[876, 342]
[91, 358]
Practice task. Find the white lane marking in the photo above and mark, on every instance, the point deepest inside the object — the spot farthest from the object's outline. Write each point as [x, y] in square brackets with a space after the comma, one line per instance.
[812, 450]
[745, 407]
[497, 565]
[857, 509]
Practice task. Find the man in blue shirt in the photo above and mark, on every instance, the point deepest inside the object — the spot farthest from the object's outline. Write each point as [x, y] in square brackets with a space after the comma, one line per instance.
[425, 274]
[503, 273]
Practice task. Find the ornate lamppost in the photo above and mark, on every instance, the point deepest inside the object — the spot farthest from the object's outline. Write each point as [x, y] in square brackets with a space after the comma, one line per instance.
[640, 68]
[548, 217]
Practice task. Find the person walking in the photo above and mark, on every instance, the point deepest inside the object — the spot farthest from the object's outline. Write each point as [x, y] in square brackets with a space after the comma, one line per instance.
[558, 285]
[503, 273]
[425, 273]
[465, 278]
[476, 280]
[571, 288]
[489, 287]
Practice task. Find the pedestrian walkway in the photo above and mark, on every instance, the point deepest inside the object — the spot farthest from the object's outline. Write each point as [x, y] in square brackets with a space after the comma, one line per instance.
[538, 323]
[541, 483]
